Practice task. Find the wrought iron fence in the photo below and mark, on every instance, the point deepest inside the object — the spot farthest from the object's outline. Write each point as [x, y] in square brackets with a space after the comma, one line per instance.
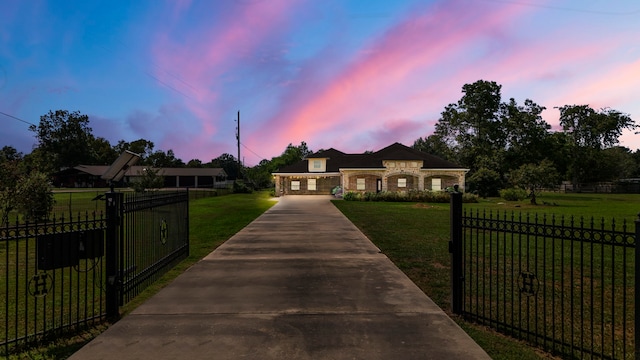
[564, 284]
[154, 236]
[52, 278]
[68, 273]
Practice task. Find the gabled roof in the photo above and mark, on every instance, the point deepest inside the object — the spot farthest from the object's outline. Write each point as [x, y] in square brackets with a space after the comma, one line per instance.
[98, 170]
[397, 151]
[337, 160]
[326, 154]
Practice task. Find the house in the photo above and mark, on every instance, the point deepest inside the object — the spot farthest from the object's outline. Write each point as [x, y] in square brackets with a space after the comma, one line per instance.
[90, 176]
[395, 168]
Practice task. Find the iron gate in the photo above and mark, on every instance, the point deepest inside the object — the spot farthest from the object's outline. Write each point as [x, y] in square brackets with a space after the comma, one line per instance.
[152, 230]
[564, 284]
[71, 272]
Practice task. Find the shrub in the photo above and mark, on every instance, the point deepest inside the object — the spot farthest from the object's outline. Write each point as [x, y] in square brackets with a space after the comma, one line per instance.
[513, 194]
[149, 179]
[486, 182]
[409, 196]
[352, 196]
[241, 188]
[35, 199]
[469, 198]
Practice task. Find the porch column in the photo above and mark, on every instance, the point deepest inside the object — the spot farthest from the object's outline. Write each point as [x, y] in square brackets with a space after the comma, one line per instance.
[277, 181]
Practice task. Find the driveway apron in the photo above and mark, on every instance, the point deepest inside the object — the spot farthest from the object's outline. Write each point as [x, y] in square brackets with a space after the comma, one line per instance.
[299, 282]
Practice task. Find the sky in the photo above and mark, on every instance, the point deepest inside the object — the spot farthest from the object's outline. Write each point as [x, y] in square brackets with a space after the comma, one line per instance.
[354, 75]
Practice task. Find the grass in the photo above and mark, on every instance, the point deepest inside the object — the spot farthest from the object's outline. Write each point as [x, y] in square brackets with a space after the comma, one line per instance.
[618, 206]
[415, 237]
[212, 221]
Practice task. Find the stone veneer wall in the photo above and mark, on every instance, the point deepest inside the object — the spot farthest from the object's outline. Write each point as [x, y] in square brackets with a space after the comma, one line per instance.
[370, 181]
[324, 185]
[392, 182]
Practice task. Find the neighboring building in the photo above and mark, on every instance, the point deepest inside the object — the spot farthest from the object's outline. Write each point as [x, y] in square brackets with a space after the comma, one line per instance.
[394, 168]
[90, 176]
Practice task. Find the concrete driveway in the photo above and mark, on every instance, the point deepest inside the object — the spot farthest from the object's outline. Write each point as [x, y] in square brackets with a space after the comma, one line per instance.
[300, 282]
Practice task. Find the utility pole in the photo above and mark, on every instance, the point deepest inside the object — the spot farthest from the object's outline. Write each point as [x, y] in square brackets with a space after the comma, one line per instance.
[238, 138]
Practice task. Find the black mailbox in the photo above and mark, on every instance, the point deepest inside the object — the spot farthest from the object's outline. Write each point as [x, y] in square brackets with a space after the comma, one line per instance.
[57, 250]
[91, 244]
[61, 250]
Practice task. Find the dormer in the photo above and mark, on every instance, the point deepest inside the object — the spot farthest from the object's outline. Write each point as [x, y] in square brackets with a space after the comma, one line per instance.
[317, 164]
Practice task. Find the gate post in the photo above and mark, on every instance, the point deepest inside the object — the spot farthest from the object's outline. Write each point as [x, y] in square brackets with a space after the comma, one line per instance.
[637, 290]
[455, 249]
[113, 201]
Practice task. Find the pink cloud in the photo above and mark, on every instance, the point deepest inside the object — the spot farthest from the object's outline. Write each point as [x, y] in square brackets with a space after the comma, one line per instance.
[387, 73]
[203, 58]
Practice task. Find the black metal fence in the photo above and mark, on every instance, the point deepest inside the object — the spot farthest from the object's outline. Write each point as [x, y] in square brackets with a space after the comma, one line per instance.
[154, 236]
[72, 273]
[566, 285]
[52, 277]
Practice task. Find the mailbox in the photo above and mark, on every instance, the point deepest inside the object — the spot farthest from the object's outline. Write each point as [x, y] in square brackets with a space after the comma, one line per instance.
[91, 244]
[61, 250]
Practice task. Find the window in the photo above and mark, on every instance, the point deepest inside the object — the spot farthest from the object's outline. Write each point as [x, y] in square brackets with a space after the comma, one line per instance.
[414, 164]
[436, 184]
[295, 185]
[391, 165]
[317, 164]
[402, 183]
[311, 184]
[403, 164]
[360, 184]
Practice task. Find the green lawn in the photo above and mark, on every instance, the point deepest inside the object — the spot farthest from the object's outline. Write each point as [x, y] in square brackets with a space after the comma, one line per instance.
[415, 237]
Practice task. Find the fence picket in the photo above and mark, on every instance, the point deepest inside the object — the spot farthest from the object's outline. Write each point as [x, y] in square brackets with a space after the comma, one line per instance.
[555, 277]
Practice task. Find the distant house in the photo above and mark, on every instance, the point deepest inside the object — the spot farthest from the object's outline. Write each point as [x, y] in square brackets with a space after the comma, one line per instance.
[90, 176]
[394, 168]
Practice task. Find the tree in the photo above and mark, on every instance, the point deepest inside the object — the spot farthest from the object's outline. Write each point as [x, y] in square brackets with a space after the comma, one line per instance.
[594, 129]
[525, 134]
[485, 181]
[616, 163]
[149, 179]
[591, 131]
[64, 139]
[160, 159]
[194, 163]
[636, 157]
[227, 162]
[142, 147]
[102, 152]
[9, 180]
[260, 175]
[34, 196]
[9, 153]
[535, 177]
[471, 127]
[433, 145]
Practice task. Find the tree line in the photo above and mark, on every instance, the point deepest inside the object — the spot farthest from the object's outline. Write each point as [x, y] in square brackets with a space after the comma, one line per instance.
[503, 143]
[506, 144]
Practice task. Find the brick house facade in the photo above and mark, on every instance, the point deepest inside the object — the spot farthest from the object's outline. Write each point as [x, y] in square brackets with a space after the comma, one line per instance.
[393, 168]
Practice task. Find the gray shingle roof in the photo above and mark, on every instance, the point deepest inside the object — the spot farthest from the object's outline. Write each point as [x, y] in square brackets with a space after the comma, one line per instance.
[98, 170]
[337, 160]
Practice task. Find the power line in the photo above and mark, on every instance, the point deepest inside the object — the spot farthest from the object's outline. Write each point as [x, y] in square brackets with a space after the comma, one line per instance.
[251, 151]
[16, 118]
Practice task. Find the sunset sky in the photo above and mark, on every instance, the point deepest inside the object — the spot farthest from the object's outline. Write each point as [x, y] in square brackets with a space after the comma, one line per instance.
[354, 75]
